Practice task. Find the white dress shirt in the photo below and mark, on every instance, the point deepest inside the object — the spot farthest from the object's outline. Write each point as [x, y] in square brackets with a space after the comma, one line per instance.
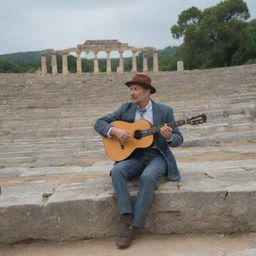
[148, 115]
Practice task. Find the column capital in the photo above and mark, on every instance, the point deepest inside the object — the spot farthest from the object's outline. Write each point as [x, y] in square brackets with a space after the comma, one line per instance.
[65, 52]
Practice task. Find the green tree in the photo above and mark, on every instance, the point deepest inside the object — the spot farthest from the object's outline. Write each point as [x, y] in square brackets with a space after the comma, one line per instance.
[213, 37]
[8, 67]
[168, 58]
[246, 52]
[22, 67]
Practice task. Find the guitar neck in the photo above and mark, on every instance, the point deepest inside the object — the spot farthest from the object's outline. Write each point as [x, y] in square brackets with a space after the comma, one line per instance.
[156, 129]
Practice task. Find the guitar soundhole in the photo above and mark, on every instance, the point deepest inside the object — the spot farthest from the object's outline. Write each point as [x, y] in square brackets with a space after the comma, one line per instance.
[138, 134]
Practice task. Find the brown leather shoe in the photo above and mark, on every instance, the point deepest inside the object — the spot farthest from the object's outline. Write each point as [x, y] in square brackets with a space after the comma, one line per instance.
[124, 240]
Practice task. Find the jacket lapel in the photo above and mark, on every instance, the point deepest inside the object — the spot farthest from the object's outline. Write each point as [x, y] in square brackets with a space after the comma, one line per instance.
[129, 116]
[156, 114]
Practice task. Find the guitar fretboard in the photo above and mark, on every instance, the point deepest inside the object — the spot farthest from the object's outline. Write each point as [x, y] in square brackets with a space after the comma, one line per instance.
[156, 129]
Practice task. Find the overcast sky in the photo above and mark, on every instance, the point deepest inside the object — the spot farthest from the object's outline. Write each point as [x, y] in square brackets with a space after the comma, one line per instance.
[32, 25]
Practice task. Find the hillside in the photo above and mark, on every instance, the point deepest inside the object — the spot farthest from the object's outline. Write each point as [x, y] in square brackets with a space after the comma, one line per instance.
[19, 57]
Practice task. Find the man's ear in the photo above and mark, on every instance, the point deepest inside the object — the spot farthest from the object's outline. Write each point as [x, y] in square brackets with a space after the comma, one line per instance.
[148, 91]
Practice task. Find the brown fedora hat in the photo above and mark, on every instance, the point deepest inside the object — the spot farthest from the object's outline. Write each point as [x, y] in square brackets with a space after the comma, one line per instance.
[143, 80]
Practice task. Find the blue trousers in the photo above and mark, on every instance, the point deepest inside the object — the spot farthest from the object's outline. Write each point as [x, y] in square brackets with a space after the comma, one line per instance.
[147, 164]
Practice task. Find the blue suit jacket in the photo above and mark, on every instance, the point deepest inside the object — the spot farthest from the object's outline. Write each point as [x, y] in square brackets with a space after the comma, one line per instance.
[161, 114]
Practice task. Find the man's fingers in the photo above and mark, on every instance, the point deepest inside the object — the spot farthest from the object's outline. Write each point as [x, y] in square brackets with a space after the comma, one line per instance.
[166, 131]
[124, 136]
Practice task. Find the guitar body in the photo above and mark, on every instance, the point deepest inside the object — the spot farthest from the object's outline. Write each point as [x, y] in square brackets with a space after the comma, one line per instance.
[141, 135]
[116, 151]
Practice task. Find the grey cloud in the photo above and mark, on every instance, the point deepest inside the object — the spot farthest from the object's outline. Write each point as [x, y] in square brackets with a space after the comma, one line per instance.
[34, 25]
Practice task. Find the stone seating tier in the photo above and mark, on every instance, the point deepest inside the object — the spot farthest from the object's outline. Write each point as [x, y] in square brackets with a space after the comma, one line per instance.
[54, 171]
[39, 113]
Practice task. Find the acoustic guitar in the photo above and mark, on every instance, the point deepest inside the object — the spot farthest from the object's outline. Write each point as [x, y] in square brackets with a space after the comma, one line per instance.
[142, 133]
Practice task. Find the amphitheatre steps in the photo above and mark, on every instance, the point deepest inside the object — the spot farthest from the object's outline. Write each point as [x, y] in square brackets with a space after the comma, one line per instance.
[72, 92]
[52, 162]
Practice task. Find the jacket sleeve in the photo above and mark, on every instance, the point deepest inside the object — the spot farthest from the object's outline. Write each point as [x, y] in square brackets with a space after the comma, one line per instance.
[102, 125]
[177, 138]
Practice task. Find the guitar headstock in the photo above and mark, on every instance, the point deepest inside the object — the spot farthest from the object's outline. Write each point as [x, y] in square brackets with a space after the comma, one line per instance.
[195, 120]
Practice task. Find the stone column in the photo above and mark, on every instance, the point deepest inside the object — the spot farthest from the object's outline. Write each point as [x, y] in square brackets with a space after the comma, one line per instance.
[145, 61]
[96, 63]
[121, 63]
[43, 64]
[78, 63]
[54, 64]
[134, 62]
[155, 61]
[180, 66]
[108, 63]
[65, 63]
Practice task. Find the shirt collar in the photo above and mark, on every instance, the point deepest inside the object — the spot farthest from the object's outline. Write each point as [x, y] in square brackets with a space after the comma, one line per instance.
[148, 107]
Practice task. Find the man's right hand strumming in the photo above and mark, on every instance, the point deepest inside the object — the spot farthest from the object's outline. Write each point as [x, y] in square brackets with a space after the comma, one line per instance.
[122, 135]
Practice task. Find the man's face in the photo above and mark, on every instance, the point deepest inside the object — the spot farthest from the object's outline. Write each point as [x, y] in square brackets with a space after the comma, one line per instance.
[138, 94]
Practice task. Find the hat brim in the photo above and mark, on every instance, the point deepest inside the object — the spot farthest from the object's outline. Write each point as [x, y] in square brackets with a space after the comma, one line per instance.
[144, 85]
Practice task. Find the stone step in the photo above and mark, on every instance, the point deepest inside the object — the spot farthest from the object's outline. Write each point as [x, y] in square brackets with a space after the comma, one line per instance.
[18, 150]
[219, 138]
[83, 113]
[92, 143]
[225, 244]
[81, 90]
[67, 125]
[56, 156]
[217, 197]
[187, 154]
[207, 129]
[33, 151]
[42, 102]
[49, 133]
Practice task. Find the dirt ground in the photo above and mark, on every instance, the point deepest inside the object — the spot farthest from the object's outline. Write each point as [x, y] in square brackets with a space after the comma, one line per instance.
[143, 245]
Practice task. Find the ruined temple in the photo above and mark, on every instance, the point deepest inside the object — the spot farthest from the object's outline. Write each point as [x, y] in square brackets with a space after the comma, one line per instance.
[96, 46]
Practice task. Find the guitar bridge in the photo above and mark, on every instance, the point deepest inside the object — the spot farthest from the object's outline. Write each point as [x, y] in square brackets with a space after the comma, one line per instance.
[121, 144]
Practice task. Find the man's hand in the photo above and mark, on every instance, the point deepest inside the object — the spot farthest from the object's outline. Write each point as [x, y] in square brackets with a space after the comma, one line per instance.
[122, 135]
[166, 131]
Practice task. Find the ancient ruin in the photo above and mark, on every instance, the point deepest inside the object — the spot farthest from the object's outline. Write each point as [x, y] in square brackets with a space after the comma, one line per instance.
[96, 46]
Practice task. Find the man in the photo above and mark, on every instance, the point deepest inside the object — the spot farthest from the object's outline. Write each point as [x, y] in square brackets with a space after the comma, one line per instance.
[148, 163]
